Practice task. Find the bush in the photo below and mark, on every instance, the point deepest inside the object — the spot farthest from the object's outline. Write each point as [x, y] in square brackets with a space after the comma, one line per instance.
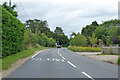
[84, 49]
[45, 41]
[12, 33]
[80, 40]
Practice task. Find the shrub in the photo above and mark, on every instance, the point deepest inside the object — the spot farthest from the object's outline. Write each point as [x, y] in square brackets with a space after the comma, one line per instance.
[12, 33]
[84, 49]
[80, 40]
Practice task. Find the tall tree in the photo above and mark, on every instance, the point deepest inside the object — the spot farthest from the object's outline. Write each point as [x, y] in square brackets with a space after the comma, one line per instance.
[58, 30]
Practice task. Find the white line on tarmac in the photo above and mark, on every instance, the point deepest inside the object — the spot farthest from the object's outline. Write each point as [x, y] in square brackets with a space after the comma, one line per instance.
[87, 75]
[63, 58]
[71, 64]
[35, 55]
[57, 59]
[58, 51]
[60, 54]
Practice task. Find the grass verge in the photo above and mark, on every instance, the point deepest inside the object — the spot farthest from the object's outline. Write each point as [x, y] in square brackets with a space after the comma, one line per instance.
[84, 49]
[7, 61]
[118, 61]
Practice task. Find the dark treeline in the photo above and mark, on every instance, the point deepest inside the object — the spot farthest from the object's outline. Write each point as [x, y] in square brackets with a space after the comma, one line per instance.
[107, 33]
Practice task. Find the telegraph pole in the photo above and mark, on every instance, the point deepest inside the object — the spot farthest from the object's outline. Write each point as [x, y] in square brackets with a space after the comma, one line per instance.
[10, 3]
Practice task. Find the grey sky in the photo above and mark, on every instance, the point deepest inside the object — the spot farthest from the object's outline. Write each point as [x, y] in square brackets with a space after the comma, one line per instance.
[71, 15]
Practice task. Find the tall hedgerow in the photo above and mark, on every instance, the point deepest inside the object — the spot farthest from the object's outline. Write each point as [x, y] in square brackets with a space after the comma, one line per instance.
[12, 33]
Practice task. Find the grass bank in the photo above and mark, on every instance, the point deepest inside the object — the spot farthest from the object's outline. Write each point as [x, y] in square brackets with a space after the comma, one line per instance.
[7, 61]
[118, 61]
[84, 49]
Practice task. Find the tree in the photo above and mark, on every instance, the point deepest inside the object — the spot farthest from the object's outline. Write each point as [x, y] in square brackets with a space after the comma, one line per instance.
[115, 40]
[89, 29]
[73, 34]
[101, 32]
[94, 23]
[80, 40]
[93, 39]
[58, 30]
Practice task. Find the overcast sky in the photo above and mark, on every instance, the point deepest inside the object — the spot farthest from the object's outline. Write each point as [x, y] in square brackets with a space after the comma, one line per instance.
[71, 15]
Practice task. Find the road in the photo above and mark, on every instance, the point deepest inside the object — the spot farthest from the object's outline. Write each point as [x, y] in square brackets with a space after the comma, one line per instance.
[62, 63]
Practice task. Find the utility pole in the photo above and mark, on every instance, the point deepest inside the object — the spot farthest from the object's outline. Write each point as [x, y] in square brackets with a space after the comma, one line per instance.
[10, 3]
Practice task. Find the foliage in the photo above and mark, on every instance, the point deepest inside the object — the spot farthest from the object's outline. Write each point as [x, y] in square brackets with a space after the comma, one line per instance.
[101, 32]
[31, 39]
[58, 30]
[89, 29]
[58, 34]
[73, 34]
[84, 49]
[79, 40]
[12, 33]
[93, 39]
[10, 9]
[110, 23]
[118, 60]
[45, 41]
[108, 32]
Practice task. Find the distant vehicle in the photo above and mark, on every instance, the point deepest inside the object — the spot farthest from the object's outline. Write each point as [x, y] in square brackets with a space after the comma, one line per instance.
[59, 46]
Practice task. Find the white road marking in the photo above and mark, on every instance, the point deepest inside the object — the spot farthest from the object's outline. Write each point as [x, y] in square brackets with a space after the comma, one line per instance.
[35, 55]
[63, 58]
[71, 64]
[60, 54]
[53, 59]
[58, 51]
[87, 75]
[40, 58]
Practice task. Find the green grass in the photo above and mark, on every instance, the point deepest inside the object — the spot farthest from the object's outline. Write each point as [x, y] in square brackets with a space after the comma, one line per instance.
[84, 49]
[7, 61]
[118, 61]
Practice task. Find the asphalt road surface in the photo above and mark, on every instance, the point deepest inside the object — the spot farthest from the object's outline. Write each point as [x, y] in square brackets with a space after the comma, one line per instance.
[62, 63]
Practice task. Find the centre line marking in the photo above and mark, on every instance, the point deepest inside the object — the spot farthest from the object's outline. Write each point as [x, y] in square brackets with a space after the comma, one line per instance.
[60, 54]
[71, 64]
[87, 75]
[58, 51]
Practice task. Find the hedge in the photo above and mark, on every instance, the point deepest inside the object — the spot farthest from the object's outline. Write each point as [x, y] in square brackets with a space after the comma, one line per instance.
[12, 33]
